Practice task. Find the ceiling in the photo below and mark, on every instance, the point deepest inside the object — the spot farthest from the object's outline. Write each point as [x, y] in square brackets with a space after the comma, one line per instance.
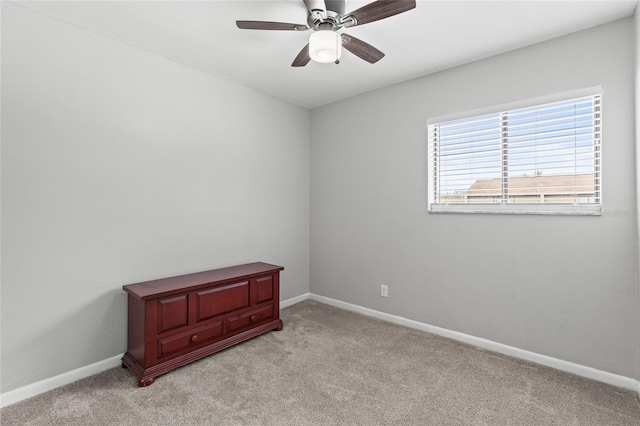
[434, 36]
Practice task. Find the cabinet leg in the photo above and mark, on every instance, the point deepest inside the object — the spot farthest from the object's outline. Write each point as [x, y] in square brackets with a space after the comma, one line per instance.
[146, 382]
[123, 365]
[279, 328]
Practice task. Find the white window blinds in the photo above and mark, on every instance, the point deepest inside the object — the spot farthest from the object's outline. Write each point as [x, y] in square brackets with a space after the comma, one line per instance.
[543, 158]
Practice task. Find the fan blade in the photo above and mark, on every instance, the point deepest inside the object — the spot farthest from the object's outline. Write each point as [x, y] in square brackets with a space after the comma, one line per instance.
[303, 57]
[381, 9]
[361, 49]
[265, 25]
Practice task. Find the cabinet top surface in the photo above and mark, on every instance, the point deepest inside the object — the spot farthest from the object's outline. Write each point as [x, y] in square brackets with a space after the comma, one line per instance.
[165, 286]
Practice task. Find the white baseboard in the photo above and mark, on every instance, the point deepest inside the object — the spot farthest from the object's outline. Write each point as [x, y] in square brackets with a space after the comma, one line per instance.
[51, 383]
[569, 367]
[294, 300]
[45, 385]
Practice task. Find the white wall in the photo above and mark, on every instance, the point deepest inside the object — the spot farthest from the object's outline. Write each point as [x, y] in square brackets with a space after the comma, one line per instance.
[119, 166]
[565, 287]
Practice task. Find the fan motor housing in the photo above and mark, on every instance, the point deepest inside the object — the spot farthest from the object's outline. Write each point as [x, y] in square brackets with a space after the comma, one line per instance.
[331, 22]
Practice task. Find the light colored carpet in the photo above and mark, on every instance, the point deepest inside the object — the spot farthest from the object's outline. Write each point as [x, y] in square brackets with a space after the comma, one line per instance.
[330, 366]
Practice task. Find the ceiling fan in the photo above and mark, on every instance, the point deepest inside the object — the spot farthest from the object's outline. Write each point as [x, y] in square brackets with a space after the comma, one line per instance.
[326, 18]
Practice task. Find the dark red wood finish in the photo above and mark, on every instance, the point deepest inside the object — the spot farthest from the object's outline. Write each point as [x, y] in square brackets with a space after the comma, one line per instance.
[174, 321]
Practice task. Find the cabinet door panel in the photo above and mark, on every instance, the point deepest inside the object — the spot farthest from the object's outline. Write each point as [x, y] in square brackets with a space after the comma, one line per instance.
[220, 300]
[172, 313]
[264, 290]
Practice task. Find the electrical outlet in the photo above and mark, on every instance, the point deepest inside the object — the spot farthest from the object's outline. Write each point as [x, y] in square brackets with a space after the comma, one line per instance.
[384, 290]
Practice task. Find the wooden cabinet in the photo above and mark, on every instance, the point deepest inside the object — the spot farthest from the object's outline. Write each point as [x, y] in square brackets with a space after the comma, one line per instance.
[174, 321]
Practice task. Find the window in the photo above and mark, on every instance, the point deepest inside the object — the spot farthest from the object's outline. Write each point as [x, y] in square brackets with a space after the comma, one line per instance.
[536, 159]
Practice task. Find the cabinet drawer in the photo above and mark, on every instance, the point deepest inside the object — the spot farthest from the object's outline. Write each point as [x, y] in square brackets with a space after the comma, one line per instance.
[250, 318]
[188, 339]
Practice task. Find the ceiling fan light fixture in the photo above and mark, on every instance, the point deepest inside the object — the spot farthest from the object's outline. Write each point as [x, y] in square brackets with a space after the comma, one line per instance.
[325, 46]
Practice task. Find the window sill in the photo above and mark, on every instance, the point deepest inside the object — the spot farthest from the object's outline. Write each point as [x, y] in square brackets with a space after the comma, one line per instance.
[563, 210]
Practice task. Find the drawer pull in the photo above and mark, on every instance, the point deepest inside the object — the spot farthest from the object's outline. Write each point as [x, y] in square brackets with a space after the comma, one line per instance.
[253, 318]
[194, 338]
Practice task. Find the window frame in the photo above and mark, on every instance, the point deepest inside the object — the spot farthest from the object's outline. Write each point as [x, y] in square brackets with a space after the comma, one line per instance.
[594, 209]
